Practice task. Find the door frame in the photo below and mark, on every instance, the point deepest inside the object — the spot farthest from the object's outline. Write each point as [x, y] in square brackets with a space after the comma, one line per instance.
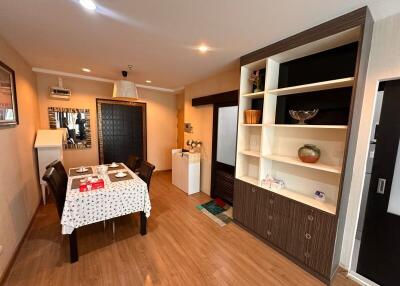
[143, 105]
[216, 106]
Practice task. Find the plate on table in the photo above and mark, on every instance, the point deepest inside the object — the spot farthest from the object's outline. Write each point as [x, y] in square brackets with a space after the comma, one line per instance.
[81, 170]
[121, 175]
[113, 165]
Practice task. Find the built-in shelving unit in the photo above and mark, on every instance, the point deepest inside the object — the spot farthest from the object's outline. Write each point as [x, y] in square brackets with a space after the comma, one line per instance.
[272, 149]
[323, 71]
[318, 86]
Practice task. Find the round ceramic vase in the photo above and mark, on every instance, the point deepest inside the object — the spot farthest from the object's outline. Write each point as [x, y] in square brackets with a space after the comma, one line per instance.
[309, 153]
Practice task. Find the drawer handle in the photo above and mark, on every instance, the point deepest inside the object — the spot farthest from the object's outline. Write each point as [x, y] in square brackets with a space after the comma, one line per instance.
[253, 190]
[308, 236]
[271, 201]
[270, 217]
[307, 255]
[269, 233]
[310, 217]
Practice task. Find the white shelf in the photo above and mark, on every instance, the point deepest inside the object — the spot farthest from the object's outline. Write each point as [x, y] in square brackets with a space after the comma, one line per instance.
[251, 125]
[326, 206]
[254, 94]
[306, 126]
[295, 161]
[324, 85]
[250, 180]
[250, 153]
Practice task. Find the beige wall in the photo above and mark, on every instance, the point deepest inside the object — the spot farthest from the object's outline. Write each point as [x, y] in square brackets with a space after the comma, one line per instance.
[19, 189]
[384, 63]
[161, 118]
[202, 117]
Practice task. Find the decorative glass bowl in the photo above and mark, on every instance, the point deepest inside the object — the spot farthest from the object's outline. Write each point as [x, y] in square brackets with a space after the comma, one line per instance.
[303, 115]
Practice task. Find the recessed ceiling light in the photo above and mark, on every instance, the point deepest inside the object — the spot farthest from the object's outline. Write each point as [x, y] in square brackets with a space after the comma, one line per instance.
[148, 81]
[203, 48]
[86, 70]
[88, 4]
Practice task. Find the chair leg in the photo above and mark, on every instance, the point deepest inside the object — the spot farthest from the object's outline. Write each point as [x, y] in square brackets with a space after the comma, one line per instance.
[143, 223]
[73, 247]
[104, 225]
[113, 227]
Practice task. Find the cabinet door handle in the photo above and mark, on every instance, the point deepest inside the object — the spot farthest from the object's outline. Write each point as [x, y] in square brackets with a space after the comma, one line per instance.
[270, 217]
[253, 190]
[310, 217]
[271, 201]
[307, 255]
[269, 233]
[308, 236]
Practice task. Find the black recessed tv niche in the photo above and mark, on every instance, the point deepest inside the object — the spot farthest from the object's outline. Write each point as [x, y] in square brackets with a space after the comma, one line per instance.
[333, 104]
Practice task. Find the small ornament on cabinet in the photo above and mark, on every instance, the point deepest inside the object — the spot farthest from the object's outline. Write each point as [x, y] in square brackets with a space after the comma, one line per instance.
[319, 196]
[272, 184]
[309, 153]
[255, 79]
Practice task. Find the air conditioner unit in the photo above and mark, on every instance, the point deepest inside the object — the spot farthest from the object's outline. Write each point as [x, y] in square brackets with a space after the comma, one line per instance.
[59, 91]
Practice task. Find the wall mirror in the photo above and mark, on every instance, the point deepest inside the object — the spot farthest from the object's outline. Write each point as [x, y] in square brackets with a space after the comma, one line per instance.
[76, 125]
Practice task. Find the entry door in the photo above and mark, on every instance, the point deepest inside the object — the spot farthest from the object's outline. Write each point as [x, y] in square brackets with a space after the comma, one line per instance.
[224, 151]
[379, 258]
[122, 130]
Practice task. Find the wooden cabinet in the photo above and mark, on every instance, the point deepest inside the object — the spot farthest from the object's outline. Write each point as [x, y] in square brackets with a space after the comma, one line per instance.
[305, 233]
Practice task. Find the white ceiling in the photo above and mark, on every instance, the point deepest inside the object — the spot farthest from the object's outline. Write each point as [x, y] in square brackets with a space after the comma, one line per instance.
[158, 36]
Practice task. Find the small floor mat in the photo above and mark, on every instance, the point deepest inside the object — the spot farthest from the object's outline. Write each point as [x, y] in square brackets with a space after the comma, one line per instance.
[220, 215]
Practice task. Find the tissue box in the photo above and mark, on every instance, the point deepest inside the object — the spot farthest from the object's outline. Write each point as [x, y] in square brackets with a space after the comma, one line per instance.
[88, 186]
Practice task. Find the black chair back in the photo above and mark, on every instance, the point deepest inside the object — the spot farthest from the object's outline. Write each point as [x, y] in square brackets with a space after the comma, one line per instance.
[59, 167]
[145, 172]
[57, 187]
[133, 163]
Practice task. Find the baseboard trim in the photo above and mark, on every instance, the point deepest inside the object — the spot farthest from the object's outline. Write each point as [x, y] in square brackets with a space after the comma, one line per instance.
[10, 264]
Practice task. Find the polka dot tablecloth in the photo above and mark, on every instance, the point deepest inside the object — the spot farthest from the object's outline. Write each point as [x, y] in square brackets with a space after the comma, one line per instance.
[114, 200]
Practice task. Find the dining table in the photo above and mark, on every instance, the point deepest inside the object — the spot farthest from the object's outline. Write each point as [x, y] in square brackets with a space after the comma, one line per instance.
[121, 195]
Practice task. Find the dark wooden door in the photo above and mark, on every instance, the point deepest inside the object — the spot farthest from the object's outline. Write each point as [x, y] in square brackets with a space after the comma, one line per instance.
[122, 130]
[380, 249]
[224, 150]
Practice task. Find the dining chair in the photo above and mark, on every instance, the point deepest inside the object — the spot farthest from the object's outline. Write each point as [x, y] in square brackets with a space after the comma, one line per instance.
[59, 168]
[55, 183]
[57, 186]
[133, 163]
[145, 172]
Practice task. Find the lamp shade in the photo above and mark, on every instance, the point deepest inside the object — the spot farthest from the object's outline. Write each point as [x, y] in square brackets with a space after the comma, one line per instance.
[125, 89]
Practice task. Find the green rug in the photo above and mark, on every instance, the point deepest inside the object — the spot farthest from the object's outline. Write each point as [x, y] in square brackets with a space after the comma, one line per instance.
[218, 214]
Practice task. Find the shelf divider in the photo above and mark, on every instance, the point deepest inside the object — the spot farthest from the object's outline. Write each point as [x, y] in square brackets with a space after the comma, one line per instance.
[324, 85]
[295, 161]
[306, 126]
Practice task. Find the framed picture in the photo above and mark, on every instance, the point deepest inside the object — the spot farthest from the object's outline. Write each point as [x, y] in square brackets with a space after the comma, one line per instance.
[8, 97]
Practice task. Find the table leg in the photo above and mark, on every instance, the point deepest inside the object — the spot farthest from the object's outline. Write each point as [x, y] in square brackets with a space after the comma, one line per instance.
[73, 247]
[143, 223]
[43, 193]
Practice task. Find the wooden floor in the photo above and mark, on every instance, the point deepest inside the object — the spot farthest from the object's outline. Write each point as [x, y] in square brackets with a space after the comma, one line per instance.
[182, 247]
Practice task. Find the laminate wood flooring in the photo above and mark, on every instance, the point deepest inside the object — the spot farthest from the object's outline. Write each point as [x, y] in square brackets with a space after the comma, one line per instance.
[182, 247]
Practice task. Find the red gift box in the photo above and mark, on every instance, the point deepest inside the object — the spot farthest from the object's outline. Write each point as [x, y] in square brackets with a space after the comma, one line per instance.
[99, 184]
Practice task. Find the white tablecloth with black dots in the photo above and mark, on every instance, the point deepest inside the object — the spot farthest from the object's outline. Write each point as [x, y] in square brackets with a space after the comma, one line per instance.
[114, 200]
